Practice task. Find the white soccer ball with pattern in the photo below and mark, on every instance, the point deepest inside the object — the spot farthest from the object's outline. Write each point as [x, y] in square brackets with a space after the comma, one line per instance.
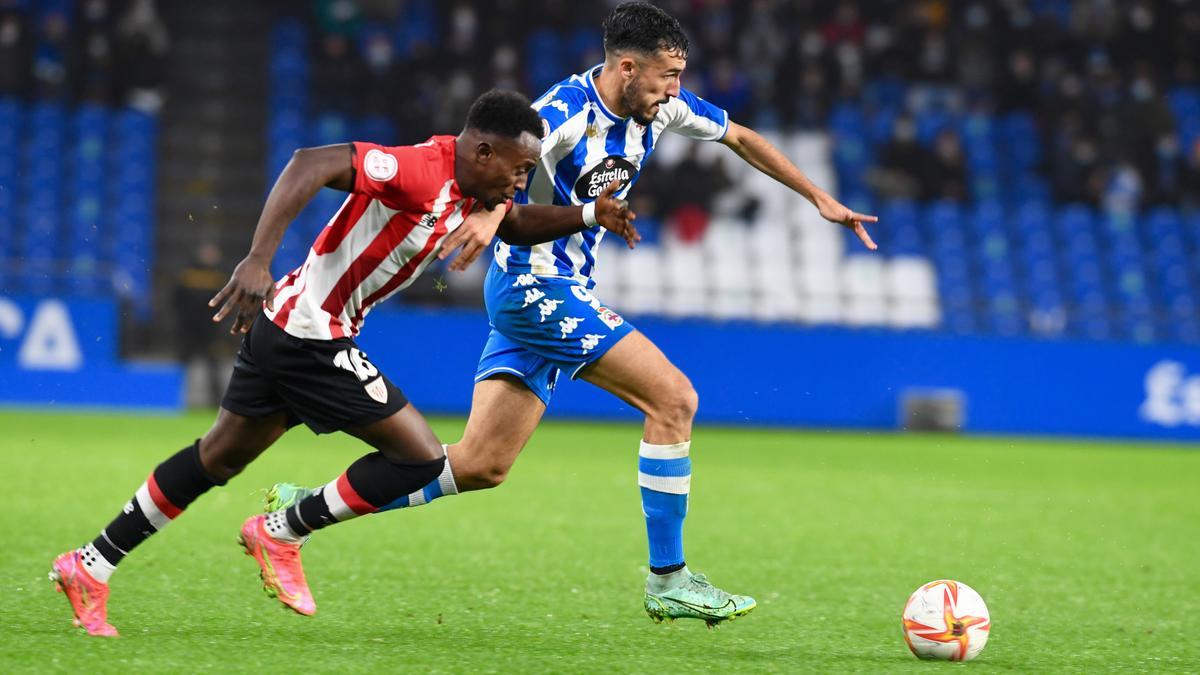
[946, 620]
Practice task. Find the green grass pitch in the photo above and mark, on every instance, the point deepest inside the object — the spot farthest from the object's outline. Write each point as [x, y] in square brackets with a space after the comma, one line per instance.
[1087, 553]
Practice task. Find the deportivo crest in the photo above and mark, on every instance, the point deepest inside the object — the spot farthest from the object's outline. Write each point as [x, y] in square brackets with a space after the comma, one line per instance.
[379, 165]
[591, 184]
[547, 308]
[377, 390]
[609, 317]
[569, 324]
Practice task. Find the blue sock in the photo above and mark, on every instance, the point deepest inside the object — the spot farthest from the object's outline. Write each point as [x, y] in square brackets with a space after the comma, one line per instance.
[442, 486]
[665, 475]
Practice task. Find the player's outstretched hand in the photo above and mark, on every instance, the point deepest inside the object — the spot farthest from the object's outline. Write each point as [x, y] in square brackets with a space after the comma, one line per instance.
[250, 287]
[614, 215]
[473, 237]
[835, 212]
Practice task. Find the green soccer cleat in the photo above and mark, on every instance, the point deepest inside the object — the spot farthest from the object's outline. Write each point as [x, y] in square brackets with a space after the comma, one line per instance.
[283, 495]
[695, 598]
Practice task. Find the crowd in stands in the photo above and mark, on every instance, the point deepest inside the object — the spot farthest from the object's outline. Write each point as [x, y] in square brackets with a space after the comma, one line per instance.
[107, 52]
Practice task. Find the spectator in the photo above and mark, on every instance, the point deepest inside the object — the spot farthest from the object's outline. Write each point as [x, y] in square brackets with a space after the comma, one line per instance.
[15, 50]
[141, 48]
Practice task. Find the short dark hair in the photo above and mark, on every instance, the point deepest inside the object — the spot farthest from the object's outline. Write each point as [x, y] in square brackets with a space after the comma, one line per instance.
[642, 27]
[504, 113]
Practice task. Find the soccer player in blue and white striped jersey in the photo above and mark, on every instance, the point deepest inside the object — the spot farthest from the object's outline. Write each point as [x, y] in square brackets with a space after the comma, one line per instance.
[601, 126]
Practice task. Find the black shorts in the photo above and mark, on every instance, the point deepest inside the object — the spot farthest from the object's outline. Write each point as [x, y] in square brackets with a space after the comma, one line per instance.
[327, 384]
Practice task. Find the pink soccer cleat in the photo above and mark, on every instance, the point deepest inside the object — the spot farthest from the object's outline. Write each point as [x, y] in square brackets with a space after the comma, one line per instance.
[88, 597]
[279, 566]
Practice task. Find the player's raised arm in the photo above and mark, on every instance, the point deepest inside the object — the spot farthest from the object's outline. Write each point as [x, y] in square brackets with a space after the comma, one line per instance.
[529, 224]
[306, 173]
[759, 153]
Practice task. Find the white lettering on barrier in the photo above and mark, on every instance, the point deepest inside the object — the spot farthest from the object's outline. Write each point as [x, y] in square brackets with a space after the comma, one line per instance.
[1172, 397]
[11, 321]
[50, 343]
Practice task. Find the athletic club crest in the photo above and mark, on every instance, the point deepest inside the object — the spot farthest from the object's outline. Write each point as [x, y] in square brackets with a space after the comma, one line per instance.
[377, 390]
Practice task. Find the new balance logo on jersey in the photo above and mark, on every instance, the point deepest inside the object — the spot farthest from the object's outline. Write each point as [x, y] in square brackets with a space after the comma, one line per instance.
[569, 324]
[531, 296]
[525, 280]
[547, 308]
[428, 220]
[589, 342]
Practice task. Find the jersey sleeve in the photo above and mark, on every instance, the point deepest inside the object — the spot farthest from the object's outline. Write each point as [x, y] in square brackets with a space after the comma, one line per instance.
[691, 116]
[558, 107]
[399, 176]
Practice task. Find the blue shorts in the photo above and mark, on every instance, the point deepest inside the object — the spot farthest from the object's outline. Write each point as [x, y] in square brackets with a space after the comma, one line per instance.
[541, 325]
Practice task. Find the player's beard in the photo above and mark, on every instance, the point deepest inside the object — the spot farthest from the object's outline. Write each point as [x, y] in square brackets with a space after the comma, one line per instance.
[631, 99]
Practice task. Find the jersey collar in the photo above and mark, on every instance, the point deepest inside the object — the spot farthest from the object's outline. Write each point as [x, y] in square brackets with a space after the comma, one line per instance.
[595, 93]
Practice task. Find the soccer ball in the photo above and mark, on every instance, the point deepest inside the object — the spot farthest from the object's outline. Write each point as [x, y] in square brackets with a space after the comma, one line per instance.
[946, 620]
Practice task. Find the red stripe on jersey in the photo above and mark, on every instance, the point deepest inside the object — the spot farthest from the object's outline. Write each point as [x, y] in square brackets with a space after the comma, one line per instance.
[392, 234]
[331, 237]
[356, 503]
[407, 271]
[160, 500]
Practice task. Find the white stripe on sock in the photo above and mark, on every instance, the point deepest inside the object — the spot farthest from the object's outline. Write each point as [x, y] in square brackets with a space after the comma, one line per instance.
[337, 506]
[158, 519]
[676, 485]
[673, 451]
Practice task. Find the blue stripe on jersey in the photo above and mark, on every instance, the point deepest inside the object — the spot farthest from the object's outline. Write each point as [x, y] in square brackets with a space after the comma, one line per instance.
[702, 108]
[614, 142]
[566, 172]
[590, 236]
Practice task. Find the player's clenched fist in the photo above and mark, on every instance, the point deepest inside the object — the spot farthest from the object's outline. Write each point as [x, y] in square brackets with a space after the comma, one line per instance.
[614, 215]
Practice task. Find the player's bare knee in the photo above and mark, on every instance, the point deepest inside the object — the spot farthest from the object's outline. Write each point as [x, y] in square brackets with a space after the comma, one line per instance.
[676, 403]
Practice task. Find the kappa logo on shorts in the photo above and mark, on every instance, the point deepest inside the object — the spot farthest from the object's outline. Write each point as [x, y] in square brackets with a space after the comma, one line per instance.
[609, 317]
[569, 324]
[377, 390]
[547, 308]
[531, 296]
[589, 341]
[379, 165]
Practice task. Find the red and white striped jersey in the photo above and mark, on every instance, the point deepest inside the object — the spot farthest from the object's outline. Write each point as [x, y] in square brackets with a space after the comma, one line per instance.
[389, 229]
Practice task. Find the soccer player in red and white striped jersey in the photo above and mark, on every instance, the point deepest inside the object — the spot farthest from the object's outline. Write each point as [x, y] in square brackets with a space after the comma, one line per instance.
[298, 361]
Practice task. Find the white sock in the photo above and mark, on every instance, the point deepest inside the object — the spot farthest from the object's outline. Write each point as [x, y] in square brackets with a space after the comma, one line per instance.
[95, 564]
[277, 526]
[657, 583]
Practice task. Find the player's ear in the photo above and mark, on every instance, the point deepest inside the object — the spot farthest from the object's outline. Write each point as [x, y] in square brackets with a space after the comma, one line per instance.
[484, 152]
[627, 66]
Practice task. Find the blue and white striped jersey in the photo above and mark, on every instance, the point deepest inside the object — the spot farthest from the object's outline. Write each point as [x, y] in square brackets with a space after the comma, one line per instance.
[585, 148]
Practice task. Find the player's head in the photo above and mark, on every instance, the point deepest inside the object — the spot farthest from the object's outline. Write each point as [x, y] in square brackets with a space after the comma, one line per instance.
[647, 48]
[498, 148]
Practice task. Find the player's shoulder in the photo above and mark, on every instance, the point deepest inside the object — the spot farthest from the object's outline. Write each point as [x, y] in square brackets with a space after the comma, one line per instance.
[562, 102]
[420, 168]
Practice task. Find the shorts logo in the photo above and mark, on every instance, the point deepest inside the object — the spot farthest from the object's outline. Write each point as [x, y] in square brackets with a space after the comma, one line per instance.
[589, 342]
[531, 296]
[525, 280]
[379, 165]
[547, 308]
[354, 361]
[569, 324]
[377, 390]
[609, 317]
